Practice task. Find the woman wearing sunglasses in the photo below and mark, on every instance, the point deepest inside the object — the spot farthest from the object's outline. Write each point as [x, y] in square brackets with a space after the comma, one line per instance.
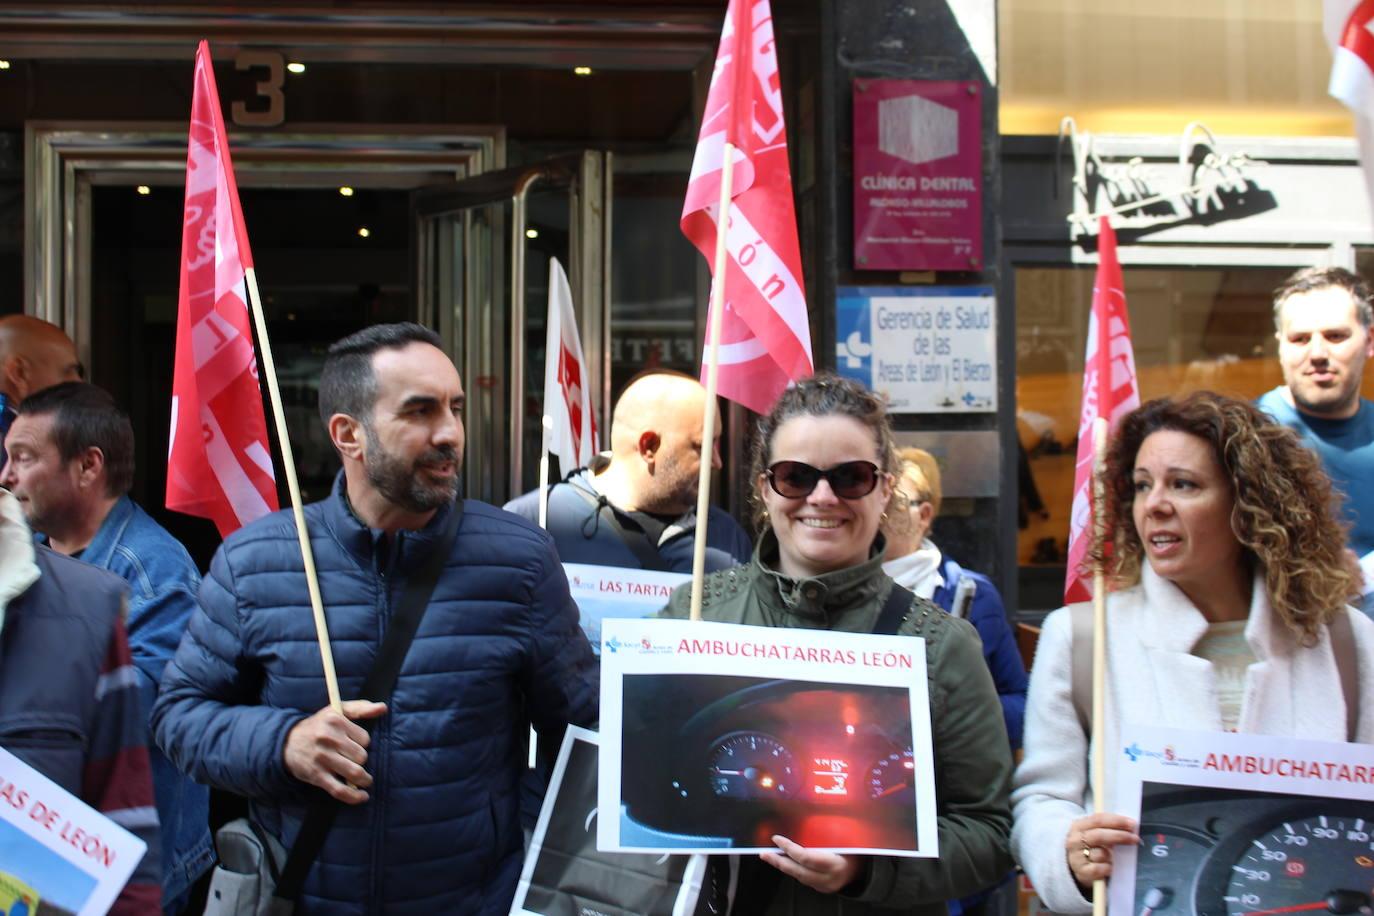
[823, 476]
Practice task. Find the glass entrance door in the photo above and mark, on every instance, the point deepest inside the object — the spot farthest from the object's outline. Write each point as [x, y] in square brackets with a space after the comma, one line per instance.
[482, 248]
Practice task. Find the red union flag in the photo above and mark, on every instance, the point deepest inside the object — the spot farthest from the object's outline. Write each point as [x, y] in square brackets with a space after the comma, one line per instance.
[765, 337]
[218, 463]
[1109, 391]
[1349, 29]
[567, 398]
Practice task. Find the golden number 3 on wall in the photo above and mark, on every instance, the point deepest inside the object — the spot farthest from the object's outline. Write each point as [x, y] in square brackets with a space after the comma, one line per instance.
[270, 89]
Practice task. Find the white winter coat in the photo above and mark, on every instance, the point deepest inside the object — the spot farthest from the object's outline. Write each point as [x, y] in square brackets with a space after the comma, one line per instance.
[1291, 690]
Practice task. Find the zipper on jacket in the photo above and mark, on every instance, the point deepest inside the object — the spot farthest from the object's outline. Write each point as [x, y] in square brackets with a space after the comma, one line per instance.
[381, 734]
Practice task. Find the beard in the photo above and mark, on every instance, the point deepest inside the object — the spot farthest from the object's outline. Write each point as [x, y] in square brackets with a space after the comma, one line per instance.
[403, 484]
[675, 490]
[1324, 401]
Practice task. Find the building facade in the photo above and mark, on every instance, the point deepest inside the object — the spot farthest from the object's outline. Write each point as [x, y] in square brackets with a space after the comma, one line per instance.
[424, 160]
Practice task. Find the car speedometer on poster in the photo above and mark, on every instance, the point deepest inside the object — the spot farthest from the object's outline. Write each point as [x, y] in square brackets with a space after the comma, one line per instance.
[825, 740]
[1242, 825]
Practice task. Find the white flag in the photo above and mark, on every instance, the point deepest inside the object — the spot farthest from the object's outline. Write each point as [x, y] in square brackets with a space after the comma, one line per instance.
[567, 396]
[1349, 29]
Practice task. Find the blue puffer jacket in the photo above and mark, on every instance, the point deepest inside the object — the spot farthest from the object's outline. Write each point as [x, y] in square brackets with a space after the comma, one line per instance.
[498, 648]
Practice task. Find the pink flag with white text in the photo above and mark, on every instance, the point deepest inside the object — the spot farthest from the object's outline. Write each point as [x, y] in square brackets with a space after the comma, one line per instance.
[1349, 29]
[1110, 390]
[219, 465]
[765, 334]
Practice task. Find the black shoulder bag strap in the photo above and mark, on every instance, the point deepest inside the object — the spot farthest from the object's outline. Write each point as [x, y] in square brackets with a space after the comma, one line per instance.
[381, 681]
[894, 611]
[638, 542]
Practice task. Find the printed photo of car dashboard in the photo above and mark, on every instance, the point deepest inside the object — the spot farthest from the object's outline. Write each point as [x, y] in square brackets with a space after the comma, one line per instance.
[1215, 852]
[746, 758]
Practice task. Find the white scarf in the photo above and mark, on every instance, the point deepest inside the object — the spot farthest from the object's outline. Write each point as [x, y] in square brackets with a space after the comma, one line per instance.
[17, 568]
[918, 570]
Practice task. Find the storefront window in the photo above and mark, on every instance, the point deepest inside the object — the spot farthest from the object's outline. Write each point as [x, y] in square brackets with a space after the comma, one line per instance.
[1243, 67]
[1191, 328]
[654, 280]
[1364, 263]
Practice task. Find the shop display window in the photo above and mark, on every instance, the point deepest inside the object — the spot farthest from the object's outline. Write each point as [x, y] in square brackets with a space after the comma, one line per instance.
[1192, 328]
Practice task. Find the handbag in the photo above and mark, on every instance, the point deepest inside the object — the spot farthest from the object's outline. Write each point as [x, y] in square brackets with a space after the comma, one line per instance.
[249, 867]
[255, 875]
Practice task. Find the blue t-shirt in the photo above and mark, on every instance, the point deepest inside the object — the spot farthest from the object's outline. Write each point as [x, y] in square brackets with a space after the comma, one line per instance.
[1346, 448]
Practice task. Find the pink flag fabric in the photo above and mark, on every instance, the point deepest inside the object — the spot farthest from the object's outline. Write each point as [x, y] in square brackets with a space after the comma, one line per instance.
[567, 396]
[1349, 29]
[1110, 390]
[765, 335]
[219, 465]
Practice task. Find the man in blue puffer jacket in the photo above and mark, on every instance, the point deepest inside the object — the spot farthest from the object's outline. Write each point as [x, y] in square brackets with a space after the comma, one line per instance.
[429, 822]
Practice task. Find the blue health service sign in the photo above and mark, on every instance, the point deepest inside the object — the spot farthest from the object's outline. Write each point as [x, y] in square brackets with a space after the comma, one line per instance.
[928, 349]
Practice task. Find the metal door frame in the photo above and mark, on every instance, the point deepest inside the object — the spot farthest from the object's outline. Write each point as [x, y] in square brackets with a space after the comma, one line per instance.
[65, 159]
[587, 177]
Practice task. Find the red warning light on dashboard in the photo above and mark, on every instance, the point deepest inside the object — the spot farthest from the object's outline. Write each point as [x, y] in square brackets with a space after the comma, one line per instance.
[1295, 868]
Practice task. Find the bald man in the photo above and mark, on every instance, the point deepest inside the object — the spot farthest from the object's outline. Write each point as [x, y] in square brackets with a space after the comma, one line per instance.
[639, 510]
[33, 355]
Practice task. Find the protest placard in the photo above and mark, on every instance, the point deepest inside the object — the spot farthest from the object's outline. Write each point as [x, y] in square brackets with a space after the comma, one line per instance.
[603, 592]
[716, 737]
[57, 854]
[1243, 824]
[565, 875]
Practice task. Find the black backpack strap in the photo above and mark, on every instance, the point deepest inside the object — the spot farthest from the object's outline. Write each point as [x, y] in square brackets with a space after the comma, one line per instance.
[636, 541]
[380, 683]
[894, 611]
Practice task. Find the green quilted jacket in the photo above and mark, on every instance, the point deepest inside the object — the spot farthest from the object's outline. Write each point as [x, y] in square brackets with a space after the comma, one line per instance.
[972, 758]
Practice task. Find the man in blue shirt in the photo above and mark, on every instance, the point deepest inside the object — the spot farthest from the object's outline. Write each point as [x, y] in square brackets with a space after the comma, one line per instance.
[1322, 317]
[71, 464]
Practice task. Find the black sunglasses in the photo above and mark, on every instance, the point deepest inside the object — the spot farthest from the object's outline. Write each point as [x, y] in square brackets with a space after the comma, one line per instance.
[850, 480]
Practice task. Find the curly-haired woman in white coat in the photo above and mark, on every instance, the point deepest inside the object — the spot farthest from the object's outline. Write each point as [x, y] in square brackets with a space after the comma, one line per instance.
[1230, 569]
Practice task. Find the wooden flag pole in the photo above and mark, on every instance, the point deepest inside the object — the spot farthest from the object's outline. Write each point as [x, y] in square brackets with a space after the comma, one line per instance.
[708, 423]
[1099, 735]
[331, 680]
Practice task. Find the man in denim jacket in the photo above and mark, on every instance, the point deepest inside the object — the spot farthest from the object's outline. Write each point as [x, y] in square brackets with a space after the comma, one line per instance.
[71, 463]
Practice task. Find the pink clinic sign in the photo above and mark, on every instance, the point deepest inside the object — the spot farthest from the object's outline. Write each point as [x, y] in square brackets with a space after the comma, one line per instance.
[918, 175]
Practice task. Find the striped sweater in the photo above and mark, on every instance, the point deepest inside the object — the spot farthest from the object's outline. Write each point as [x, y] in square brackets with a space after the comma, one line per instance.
[117, 779]
[69, 700]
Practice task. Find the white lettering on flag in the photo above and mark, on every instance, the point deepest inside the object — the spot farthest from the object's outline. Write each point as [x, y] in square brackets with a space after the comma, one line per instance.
[243, 496]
